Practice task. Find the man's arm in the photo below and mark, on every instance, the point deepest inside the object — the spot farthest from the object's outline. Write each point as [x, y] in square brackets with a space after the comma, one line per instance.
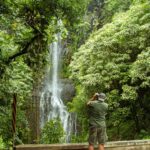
[89, 102]
[92, 100]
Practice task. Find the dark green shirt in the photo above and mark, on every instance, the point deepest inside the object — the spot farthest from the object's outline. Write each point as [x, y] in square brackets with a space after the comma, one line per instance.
[97, 111]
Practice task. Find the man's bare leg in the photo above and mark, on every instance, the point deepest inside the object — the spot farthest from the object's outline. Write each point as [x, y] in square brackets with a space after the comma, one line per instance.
[91, 147]
[101, 147]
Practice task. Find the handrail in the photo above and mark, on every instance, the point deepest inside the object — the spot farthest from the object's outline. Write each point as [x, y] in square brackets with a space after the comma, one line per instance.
[115, 145]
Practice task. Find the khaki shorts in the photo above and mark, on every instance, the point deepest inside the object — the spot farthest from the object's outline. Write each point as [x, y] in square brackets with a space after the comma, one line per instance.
[97, 134]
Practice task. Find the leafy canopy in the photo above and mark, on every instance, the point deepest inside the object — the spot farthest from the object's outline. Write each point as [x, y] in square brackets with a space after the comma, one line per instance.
[115, 60]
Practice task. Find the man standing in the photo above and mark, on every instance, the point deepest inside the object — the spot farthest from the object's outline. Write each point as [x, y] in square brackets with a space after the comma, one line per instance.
[97, 109]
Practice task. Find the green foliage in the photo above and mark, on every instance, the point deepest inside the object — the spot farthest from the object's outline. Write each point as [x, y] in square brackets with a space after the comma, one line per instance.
[121, 46]
[52, 132]
[112, 7]
[129, 93]
[143, 135]
[2, 146]
[27, 27]
[115, 59]
[78, 106]
[6, 126]
[27, 23]
[18, 78]
[140, 69]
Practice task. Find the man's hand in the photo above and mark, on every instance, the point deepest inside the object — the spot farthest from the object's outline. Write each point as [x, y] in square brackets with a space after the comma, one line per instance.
[94, 97]
[88, 103]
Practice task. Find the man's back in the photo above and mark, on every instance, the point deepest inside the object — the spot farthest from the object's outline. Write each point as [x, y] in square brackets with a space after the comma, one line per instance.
[97, 112]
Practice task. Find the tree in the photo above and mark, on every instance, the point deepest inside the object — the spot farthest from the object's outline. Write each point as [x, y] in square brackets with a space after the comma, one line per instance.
[115, 60]
[27, 27]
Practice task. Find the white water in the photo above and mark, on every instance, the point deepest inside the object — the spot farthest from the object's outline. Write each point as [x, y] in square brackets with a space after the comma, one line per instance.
[51, 105]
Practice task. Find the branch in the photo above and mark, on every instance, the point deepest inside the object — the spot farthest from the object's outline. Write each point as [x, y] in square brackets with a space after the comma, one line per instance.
[23, 51]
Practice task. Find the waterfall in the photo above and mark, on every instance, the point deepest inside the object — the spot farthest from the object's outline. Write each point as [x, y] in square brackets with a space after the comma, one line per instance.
[51, 105]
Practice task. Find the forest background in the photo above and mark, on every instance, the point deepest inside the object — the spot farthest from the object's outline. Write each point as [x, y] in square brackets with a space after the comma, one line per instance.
[108, 50]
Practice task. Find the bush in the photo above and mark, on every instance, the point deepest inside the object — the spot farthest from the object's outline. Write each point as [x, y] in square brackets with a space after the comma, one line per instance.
[2, 146]
[52, 132]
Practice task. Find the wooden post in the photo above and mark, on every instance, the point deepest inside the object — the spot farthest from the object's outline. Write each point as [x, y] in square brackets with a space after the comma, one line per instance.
[14, 104]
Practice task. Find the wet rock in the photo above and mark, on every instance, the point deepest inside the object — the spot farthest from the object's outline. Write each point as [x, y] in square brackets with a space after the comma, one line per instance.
[67, 90]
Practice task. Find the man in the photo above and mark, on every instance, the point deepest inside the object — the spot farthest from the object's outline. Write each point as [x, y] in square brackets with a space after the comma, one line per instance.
[97, 110]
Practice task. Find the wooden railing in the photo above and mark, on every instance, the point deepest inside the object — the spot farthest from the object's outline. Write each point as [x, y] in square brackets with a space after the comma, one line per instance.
[118, 145]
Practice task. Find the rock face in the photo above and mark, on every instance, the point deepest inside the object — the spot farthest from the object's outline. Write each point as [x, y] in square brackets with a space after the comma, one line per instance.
[68, 90]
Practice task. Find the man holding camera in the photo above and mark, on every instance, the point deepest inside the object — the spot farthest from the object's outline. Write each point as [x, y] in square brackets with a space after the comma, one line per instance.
[97, 109]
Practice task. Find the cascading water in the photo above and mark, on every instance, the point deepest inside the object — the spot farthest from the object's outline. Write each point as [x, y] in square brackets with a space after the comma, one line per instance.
[51, 105]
